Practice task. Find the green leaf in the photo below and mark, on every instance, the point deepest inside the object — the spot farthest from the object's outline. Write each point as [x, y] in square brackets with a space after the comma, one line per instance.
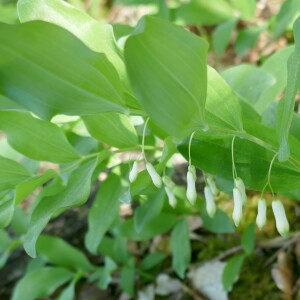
[32, 73]
[68, 293]
[181, 248]
[60, 253]
[286, 15]
[104, 211]
[11, 173]
[98, 36]
[36, 138]
[112, 128]
[220, 223]
[128, 280]
[222, 110]
[159, 225]
[286, 106]
[248, 239]
[151, 260]
[253, 153]
[221, 36]
[75, 193]
[246, 8]
[246, 40]
[105, 275]
[203, 12]
[232, 271]
[26, 187]
[276, 66]
[248, 81]
[40, 283]
[149, 210]
[6, 212]
[164, 83]
[7, 104]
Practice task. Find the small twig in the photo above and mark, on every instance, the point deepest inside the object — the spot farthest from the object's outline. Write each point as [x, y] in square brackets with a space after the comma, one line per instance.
[191, 292]
[227, 253]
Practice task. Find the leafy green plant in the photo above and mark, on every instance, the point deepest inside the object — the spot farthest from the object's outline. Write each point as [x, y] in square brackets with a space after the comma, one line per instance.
[70, 96]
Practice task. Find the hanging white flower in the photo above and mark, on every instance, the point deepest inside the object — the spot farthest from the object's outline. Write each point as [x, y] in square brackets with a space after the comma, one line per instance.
[210, 202]
[156, 179]
[212, 184]
[238, 183]
[191, 193]
[261, 213]
[169, 185]
[238, 207]
[134, 172]
[282, 223]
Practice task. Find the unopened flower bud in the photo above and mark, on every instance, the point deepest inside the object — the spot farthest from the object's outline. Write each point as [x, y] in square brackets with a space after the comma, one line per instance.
[191, 193]
[156, 179]
[261, 213]
[282, 223]
[212, 185]
[238, 183]
[237, 207]
[210, 202]
[134, 172]
[169, 185]
[171, 197]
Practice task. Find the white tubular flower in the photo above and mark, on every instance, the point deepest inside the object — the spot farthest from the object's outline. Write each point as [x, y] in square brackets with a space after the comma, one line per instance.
[261, 213]
[210, 201]
[156, 179]
[134, 171]
[191, 193]
[171, 197]
[282, 223]
[238, 207]
[238, 183]
[169, 185]
[212, 184]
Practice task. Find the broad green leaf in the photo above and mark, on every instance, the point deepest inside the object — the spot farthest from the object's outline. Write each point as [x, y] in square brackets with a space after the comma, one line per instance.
[112, 128]
[60, 253]
[74, 194]
[220, 223]
[127, 280]
[40, 283]
[248, 81]
[104, 211]
[11, 173]
[6, 212]
[246, 8]
[151, 260]
[7, 104]
[68, 293]
[98, 36]
[252, 153]
[221, 36]
[286, 105]
[20, 221]
[232, 271]
[276, 66]
[105, 274]
[36, 138]
[32, 73]
[288, 11]
[248, 239]
[181, 248]
[203, 12]
[222, 109]
[159, 225]
[8, 13]
[246, 40]
[26, 187]
[171, 86]
[149, 210]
